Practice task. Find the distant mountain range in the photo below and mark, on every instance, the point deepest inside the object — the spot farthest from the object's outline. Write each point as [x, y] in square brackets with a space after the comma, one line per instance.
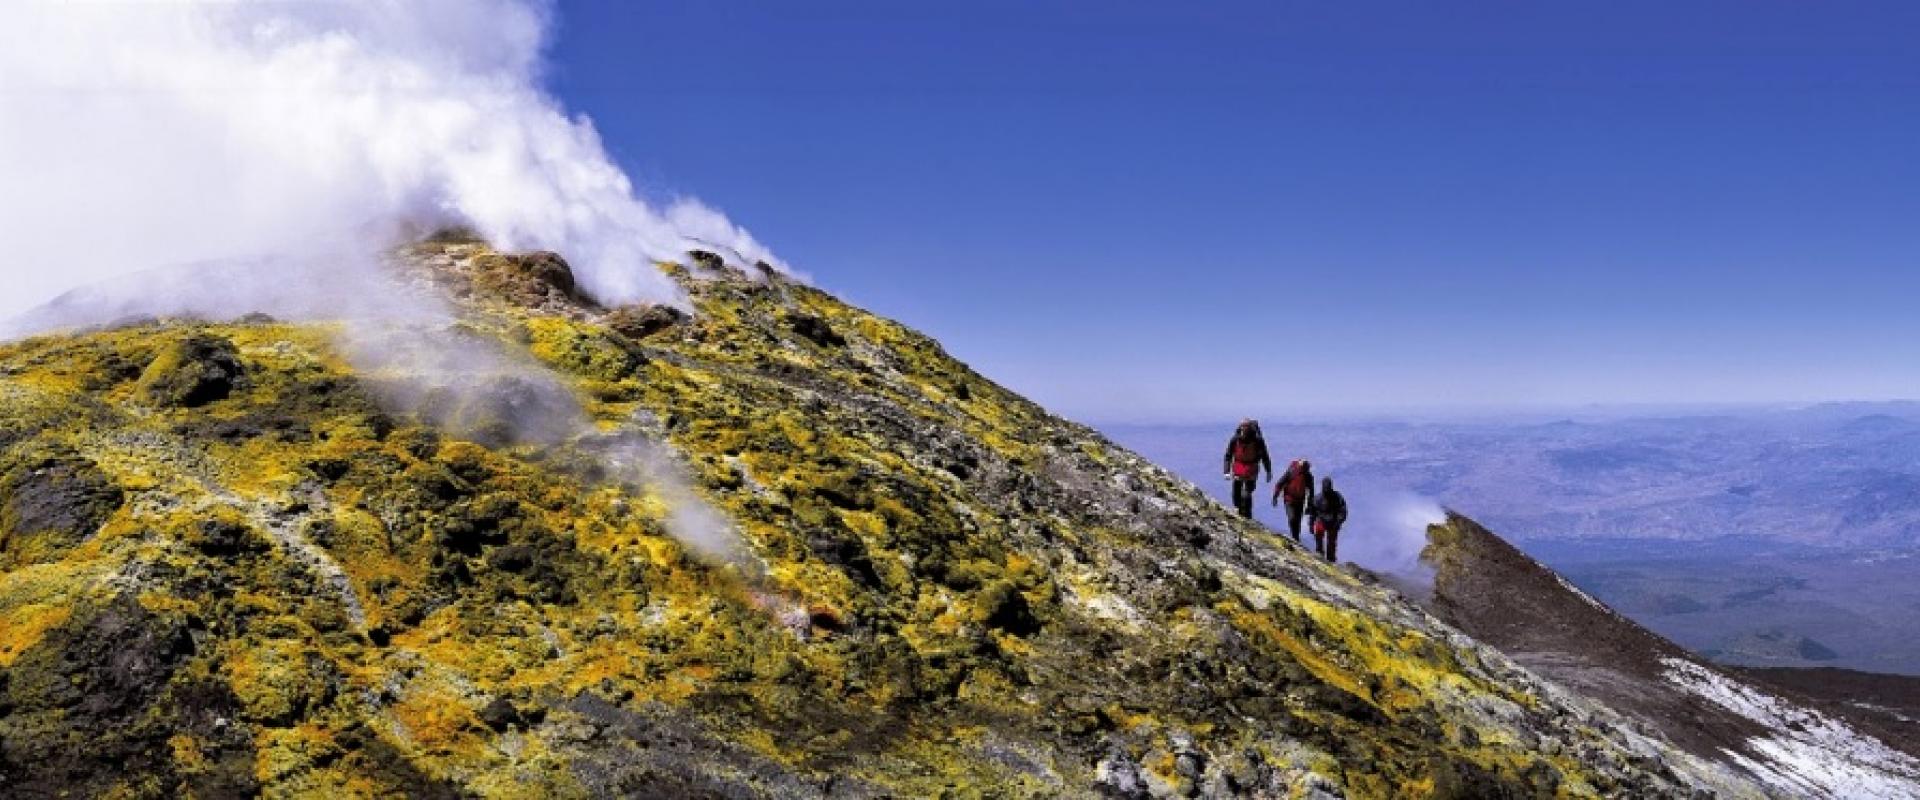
[1840, 474]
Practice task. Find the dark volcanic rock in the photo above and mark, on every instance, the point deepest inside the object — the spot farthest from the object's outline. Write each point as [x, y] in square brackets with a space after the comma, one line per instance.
[193, 372]
[547, 268]
[1008, 610]
[114, 368]
[640, 322]
[816, 330]
[500, 714]
[503, 410]
[226, 539]
[114, 681]
[50, 504]
[529, 279]
[849, 553]
[235, 431]
[661, 752]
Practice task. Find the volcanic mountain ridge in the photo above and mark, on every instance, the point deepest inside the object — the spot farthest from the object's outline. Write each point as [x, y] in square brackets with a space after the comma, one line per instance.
[766, 545]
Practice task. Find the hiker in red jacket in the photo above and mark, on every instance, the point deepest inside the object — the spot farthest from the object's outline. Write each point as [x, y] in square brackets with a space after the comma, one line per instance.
[1296, 487]
[1246, 454]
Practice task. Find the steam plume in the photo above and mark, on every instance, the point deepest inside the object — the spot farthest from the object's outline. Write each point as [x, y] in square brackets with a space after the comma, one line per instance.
[218, 158]
[473, 388]
[1388, 529]
[142, 134]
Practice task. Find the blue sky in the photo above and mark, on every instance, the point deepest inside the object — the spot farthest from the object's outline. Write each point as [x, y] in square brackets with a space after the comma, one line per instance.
[1169, 212]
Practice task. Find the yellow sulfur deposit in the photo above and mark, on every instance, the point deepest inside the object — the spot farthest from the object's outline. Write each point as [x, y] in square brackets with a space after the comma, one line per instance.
[232, 561]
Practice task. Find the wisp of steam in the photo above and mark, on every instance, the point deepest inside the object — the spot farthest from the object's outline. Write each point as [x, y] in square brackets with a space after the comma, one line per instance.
[135, 135]
[472, 387]
[1387, 530]
[213, 159]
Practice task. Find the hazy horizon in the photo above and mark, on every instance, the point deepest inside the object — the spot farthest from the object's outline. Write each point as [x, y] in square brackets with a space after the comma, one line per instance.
[1517, 414]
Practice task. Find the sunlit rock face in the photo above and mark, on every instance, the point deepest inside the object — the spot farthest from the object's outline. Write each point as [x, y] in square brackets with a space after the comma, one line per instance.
[770, 545]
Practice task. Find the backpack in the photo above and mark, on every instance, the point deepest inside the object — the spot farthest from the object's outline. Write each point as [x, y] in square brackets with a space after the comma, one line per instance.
[1333, 507]
[1296, 482]
[1246, 458]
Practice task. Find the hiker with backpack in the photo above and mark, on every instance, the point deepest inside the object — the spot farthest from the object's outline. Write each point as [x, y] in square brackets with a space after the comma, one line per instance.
[1295, 487]
[1329, 513]
[1246, 455]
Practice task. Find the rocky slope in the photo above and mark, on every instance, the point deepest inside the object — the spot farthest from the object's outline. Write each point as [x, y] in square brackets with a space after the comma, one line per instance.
[1792, 737]
[778, 547]
[1886, 705]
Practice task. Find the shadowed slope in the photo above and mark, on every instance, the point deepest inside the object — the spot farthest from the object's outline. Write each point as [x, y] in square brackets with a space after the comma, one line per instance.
[1492, 591]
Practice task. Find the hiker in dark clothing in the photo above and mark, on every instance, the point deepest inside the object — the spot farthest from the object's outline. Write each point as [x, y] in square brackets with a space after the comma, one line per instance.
[1246, 454]
[1329, 513]
[1296, 487]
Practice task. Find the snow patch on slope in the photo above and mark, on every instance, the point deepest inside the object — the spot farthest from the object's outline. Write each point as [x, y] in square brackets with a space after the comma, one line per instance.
[1575, 591]
[1810, 754]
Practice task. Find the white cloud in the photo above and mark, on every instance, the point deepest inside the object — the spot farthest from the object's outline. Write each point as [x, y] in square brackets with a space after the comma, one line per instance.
[136, 135]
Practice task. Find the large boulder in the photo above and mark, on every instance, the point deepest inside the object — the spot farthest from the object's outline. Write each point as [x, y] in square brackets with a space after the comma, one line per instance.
[642, 321]
[192, 372]
[528, 279]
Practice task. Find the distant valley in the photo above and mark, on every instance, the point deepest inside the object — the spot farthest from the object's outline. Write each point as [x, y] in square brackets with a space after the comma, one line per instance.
[1760, 538]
